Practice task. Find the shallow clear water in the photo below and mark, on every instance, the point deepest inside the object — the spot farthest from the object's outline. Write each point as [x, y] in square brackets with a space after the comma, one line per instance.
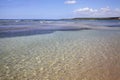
[85, 54]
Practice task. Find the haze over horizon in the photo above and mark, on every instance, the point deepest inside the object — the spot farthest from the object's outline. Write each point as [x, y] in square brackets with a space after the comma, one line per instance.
[58, 9]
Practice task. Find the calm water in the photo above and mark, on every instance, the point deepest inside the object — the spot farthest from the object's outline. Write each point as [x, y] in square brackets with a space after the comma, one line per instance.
[87, 53]
[112, 23]
[12, 28]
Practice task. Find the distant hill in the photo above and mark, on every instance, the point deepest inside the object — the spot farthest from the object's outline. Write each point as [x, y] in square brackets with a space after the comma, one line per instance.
[107, 18]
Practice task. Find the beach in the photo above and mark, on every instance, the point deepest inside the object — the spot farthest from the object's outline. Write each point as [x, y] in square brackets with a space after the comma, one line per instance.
[90, 53]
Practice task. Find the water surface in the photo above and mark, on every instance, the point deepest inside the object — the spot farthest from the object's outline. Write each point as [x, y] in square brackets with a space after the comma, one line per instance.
[91, 52]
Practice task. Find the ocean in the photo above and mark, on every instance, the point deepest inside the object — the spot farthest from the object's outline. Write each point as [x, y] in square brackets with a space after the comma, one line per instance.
[24, 27]
[59, 49]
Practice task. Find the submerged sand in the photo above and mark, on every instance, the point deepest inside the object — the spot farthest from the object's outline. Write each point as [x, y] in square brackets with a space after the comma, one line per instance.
[62, 55]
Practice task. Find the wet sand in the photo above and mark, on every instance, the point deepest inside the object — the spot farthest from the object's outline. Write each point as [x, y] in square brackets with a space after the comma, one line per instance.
[62, 55]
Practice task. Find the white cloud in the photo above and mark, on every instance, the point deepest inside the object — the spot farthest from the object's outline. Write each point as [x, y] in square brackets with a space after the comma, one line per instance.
[85, 10]
[106, 9]
[70, 2]
[102, 12]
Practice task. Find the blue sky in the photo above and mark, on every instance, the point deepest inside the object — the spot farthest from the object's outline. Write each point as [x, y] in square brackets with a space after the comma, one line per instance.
[57, 9]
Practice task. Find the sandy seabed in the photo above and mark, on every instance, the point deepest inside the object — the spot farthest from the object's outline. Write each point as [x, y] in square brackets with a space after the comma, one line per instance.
[62, 55]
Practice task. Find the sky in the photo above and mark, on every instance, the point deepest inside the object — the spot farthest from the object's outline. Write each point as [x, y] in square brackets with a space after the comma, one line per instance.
[58, 9]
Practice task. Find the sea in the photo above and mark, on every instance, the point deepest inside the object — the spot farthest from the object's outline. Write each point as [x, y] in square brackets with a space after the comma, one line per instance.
[23, 27]
[40, 49]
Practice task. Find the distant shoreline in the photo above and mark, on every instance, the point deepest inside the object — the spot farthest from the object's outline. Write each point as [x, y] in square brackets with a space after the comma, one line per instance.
[105, 18]
[77, 18]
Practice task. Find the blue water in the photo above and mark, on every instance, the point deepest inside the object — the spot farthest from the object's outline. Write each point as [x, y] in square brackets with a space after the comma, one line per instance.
[16, 27]
[111, 23]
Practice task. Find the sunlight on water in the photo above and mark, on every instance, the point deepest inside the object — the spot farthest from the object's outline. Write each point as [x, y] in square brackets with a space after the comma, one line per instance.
[73, 55]
[59, 50]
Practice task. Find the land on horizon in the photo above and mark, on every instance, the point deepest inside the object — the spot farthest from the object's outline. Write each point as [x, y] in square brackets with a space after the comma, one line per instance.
[75, 18]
